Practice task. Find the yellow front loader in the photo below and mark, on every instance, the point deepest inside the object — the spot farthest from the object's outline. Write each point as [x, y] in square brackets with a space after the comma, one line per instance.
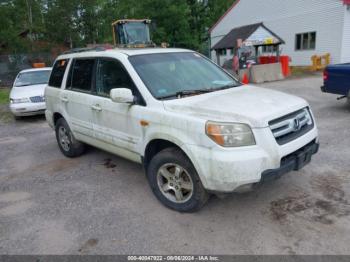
[132, 33]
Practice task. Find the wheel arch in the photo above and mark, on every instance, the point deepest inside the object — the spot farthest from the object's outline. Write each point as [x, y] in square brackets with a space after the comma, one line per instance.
[56, 116]
[154, 146]
[158, 144]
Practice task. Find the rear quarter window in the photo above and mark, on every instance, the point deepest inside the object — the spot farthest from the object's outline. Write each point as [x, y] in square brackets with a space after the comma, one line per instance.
[57, 74]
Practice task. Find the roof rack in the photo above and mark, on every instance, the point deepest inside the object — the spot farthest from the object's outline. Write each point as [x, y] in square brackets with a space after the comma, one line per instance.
[85, 49]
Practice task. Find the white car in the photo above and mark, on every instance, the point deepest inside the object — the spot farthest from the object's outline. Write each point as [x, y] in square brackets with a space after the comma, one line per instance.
[195, 128]
[27, 94]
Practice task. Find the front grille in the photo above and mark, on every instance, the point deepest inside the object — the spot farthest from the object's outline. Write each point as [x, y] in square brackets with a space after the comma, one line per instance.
[37, 99]
[292, 126]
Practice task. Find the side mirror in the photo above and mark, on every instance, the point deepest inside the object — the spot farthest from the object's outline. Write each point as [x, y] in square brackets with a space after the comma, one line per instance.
[122, 95]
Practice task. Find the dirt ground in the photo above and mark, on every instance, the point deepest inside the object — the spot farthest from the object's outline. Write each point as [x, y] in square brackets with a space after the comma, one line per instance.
[102, 204]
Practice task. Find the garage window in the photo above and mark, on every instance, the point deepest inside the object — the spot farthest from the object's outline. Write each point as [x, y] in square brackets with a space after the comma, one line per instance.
[268, 49]
[305, 41]
[222, 52]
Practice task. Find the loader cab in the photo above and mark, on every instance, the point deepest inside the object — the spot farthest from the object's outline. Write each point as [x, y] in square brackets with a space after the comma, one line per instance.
[130, 33]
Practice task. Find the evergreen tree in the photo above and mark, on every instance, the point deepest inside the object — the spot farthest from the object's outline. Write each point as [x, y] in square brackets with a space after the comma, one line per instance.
[181, 23]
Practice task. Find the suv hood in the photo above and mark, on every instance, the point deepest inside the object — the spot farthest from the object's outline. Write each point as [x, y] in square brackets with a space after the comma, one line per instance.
[245, 104]
[27, 91]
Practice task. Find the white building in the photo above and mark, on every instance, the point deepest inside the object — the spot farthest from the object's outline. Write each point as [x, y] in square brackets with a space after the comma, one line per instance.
[308, 27]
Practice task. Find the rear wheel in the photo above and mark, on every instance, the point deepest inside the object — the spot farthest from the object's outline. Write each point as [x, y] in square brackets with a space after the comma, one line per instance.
[68, 145]
[175, 182]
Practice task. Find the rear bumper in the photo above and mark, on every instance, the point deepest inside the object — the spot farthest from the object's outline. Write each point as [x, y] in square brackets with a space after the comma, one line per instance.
[335, 91]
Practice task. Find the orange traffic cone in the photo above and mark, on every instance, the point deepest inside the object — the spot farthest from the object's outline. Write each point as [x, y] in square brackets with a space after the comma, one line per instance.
[245, 79]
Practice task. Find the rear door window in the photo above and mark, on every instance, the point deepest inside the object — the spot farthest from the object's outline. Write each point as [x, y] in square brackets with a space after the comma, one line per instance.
[82, 74]
[57, 74]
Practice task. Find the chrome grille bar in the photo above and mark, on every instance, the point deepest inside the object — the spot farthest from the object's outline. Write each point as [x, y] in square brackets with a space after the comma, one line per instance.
[293, 125]
[37, 99]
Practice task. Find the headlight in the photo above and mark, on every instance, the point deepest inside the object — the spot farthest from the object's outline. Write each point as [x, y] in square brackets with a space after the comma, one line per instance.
[19, 100]
[230, 134]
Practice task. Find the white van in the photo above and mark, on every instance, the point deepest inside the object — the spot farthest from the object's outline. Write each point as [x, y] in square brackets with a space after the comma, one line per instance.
[27, 93]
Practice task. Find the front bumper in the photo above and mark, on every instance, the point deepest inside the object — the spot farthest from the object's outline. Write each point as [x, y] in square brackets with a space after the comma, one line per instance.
[292, 162]
[28, 109]
[226, 170]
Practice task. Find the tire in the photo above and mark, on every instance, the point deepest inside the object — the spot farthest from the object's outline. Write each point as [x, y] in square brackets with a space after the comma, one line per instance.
[17, 118]
[69, 146]
[182, 190]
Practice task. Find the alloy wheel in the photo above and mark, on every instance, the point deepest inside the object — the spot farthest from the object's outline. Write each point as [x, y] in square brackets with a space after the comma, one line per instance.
[175, 183]
[63, 137]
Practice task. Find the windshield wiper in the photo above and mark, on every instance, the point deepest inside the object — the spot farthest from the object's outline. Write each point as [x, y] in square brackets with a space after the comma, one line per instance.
[183, 93]
[23, 85]
[226, 87]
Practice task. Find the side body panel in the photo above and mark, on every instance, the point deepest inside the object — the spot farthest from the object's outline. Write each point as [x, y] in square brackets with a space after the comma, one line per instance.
[78, 106]
[117, 124]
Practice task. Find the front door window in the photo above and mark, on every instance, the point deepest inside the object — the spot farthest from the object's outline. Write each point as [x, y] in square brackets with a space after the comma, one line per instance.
[110, 75]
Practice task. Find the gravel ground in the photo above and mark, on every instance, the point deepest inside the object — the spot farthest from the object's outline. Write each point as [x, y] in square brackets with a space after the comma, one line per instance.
[102, 204]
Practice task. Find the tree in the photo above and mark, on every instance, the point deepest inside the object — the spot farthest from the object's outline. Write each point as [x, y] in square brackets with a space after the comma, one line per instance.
[17, 16]
[181, 23]
[62, 22]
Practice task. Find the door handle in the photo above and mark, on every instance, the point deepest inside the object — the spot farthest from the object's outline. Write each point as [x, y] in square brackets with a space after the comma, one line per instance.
[96, 108]
[64, 99]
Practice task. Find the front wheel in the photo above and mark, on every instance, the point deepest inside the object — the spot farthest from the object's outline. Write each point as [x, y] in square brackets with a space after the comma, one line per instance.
[68, 145]
[175, 182]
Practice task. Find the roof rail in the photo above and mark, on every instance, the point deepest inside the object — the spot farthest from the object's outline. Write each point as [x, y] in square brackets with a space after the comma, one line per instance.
[85, 49]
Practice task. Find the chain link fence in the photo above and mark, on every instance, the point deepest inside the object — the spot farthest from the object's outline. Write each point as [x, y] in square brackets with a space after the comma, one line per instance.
[11, 65]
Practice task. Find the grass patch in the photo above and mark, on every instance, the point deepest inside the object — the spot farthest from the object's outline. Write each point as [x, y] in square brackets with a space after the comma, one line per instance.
[4, 95]
[5, 114]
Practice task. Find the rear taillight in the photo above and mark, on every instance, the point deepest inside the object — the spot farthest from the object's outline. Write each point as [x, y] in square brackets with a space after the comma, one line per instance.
[325, 75]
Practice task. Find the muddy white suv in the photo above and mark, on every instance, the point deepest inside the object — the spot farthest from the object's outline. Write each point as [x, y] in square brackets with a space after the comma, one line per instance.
[195, 128]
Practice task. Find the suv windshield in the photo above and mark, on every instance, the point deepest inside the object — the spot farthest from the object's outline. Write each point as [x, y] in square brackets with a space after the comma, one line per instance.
[176, 74]
[33, 78]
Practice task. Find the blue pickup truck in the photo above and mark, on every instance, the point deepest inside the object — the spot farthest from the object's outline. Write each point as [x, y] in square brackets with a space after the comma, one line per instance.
[337, 80]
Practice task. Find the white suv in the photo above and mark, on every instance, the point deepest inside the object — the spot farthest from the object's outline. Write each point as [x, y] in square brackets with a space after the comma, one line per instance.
[195, 128]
